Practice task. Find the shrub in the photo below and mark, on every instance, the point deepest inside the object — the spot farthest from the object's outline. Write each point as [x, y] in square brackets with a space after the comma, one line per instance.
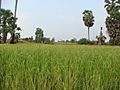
[83, 41]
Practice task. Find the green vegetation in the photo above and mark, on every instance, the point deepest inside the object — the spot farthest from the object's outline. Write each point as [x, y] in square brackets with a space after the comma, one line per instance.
[39, 35]
[113, 20]
[8, 24]
[64, 65]
[59, 67]
[84, 41]
[88, 19]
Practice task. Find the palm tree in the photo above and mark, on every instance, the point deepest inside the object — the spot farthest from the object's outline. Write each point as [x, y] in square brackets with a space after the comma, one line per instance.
[88, 19]
[112, 6]
[13, 34]
[113, 20]
[5, 15]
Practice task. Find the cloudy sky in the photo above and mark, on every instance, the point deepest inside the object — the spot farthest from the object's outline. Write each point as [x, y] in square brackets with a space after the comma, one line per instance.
[61, 19]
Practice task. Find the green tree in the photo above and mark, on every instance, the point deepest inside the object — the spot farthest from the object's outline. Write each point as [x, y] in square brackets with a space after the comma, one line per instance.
[39, 35]
[112, 6]
[83, 41]
[46, 40]
[13, 27]
[5, 16]
[17, 37]
[113, 20]
[88, 19]
[31, 39]
[7, 24]
[74, 40]
[52, 40]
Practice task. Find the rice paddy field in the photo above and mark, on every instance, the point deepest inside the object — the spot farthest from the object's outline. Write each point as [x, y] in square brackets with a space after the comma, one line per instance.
[59, 67]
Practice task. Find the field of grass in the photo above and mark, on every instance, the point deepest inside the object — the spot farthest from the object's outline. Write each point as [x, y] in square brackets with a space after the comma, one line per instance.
[59, 67]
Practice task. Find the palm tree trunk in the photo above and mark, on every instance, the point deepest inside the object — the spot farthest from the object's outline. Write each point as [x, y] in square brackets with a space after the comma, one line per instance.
[13, 34]
[0, 20]
[16, 3]
[88, 33]
[0, 38]
[12, 38]
[0, 4]
[0, 9]
[4, 37]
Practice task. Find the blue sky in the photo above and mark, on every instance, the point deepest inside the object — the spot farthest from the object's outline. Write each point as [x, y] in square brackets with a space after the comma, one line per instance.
[61, 19]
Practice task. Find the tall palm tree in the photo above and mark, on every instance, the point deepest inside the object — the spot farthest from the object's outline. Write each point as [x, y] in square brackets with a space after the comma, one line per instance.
[113, 20]
[13, 34]
[88, 19]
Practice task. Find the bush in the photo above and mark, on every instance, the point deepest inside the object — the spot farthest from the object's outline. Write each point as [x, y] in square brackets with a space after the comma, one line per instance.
[107, 43]
[83, 41]
[115, 41]
[93, 42]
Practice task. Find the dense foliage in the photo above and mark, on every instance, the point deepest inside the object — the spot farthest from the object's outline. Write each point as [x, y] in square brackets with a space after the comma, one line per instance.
[113, 20]
[8, 25]
[39, 35]
[83, 41]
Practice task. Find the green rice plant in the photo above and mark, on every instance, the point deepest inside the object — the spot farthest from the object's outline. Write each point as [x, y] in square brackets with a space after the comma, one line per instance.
[59, 67]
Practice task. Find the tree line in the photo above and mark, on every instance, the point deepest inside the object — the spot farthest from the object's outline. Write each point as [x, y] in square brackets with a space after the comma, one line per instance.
[39, 38]
[112, 22]
[8, 25]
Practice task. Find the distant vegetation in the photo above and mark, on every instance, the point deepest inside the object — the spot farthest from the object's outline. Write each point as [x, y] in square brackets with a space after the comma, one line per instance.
[8, 25]
[43, 63]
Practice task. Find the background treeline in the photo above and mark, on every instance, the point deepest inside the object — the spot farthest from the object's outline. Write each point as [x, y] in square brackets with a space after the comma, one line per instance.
[8, 26]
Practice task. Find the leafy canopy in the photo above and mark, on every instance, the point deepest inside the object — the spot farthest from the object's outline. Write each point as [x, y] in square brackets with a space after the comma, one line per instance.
[88, 18]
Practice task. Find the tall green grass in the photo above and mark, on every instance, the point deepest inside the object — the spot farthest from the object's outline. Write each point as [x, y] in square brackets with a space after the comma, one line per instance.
[59, 67]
